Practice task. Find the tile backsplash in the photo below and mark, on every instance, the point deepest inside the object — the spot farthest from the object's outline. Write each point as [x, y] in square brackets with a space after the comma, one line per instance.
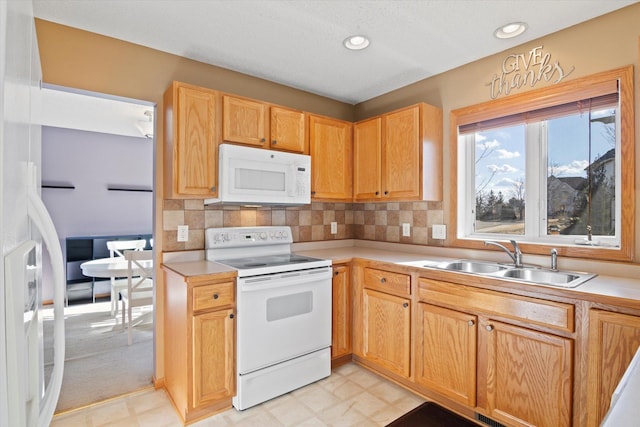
[366, 221]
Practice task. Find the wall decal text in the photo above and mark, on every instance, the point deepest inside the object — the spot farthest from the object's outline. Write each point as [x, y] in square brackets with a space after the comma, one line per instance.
[527, 68]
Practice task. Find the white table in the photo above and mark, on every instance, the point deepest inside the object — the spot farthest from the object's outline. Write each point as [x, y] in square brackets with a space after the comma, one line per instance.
[112, 267]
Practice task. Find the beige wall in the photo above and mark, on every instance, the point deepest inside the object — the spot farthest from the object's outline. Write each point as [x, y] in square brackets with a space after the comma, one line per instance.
[604, 43]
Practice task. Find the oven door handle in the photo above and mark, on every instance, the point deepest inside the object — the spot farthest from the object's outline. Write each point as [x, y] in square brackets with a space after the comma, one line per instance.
[290, 278]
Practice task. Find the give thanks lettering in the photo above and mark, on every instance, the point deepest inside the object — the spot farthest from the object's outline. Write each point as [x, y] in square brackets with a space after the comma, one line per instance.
[526, 69]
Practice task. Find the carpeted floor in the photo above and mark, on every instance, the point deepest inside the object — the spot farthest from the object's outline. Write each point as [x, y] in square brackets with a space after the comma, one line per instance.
[98, 362]
[430, 414]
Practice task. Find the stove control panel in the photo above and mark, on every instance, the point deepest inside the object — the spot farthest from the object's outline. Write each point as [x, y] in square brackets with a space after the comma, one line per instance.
[247, 236]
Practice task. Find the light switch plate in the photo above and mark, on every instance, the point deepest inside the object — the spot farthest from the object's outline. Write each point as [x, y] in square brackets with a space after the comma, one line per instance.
[334, 227]
[183, 233]
[439, 232]
[406, 229]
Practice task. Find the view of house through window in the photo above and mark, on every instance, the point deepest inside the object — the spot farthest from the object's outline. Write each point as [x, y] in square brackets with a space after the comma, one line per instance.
[545, 173]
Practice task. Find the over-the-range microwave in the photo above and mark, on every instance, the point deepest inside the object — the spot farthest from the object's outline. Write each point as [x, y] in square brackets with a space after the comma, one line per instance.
[256, 176]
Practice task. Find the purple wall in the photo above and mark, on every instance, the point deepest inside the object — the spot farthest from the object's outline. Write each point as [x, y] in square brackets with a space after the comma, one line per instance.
[91, 162]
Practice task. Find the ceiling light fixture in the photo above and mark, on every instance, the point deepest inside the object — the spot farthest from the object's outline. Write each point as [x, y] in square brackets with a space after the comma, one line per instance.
[511, 30]
[358, 42]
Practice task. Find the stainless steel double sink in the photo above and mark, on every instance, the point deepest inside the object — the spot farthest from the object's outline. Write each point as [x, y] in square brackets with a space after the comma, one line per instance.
[528, 274]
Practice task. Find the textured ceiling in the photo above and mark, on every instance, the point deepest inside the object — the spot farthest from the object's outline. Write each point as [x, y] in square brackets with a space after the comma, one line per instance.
[299, 42]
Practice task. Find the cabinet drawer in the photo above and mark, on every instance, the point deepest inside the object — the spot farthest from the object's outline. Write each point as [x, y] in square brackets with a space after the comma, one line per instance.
[386, 281]
[211, 296]
[550, 314]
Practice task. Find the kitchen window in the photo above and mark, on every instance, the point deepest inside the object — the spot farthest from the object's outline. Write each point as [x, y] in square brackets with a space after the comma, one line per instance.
[549, 167]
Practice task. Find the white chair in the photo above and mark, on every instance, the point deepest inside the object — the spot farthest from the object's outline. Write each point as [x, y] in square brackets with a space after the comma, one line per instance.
[139, 291]
[115, 250]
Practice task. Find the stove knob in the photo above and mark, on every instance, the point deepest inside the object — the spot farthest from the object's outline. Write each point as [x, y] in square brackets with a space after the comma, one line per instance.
[263, 235]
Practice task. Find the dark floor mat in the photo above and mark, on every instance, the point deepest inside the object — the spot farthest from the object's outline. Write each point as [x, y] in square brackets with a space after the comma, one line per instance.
[431, 415]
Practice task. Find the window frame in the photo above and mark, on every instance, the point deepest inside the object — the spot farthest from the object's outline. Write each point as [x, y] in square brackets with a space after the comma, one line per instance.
[570, 91]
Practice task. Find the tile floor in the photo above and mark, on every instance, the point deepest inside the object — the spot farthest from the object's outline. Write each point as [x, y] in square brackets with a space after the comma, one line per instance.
[351, 396]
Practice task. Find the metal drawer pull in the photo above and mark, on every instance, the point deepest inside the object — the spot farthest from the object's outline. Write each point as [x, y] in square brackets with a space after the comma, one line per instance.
[383, 280]
[231, 316]
[405, 305]
[471, 323]
[489, 328]
[215, 296]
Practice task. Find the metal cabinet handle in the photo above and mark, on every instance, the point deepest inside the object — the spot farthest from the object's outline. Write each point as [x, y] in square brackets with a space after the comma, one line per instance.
[386, 192]
[313, 193]
[489, 328]
[383, 280]
[377, 193]
[336, 273]
[274, 142]
[213, 188]
[471, 322]
[215, 296]
[231, 316]
[262, 140]
[405, 305]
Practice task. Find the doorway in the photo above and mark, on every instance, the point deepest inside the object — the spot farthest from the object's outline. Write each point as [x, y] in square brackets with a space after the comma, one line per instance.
[97, 183]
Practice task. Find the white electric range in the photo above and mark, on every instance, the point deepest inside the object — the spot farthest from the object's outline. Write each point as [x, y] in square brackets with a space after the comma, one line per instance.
[283, 311]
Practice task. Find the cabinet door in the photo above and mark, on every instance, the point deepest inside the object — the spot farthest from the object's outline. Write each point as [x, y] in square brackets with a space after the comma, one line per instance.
[386, 331]
[331, 159]
[367, 149]
[288, 130]
[213, 374]
[527, 375]
[244, 121]
[341, 325]
[401, 156]
[613, 340]
[195, 154]
[446, 352]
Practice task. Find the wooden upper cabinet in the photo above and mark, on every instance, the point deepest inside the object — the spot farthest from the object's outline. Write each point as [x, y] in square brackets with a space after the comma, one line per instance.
[288, 130]
[191, 133]
[408, 161]
[401, 155]
[367, 149]
[244, 121]
[331, 150]
[250, 122]
[614, 338]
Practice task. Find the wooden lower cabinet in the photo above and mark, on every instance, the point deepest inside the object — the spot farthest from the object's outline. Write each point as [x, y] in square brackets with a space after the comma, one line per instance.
[386, 331]
[512, 374]
[213, 356]
[341, 313]
[199, 336]
[524, 376]
[446, 347]
[613, 340]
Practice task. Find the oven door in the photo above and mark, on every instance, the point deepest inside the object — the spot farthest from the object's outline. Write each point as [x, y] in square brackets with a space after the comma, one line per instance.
[282, 316]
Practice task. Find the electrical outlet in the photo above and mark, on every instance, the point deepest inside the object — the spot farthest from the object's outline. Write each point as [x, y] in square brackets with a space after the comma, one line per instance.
[334, 227]
[439, 232]
[406, 229]
[183, 233]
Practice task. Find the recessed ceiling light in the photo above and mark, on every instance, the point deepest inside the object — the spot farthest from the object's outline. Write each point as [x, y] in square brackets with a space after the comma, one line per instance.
[510, 30]
[358, 42]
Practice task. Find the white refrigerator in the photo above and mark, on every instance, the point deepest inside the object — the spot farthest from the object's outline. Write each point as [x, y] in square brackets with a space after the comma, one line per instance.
[26, 230]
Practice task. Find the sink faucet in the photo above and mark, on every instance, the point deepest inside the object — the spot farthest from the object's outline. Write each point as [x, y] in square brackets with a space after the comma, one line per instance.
[516, 256]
